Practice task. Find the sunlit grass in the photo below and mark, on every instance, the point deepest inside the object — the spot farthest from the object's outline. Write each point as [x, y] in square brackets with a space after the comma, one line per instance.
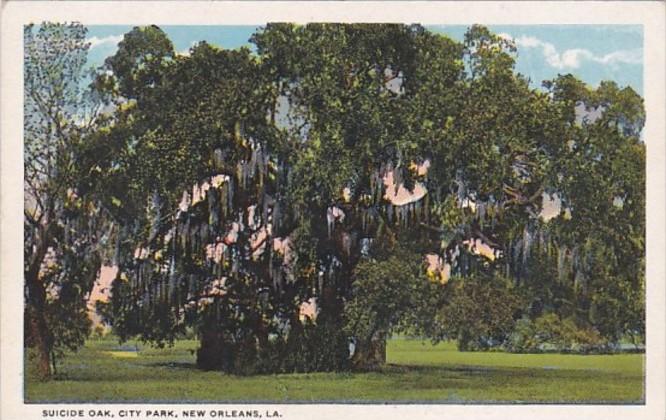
[103, 371]
[122, 354]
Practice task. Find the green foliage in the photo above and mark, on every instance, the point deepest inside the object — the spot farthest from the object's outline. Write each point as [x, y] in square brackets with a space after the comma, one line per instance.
[618, 309]
[385, 292]
[390, 295]
[550, 333]
[480, 313]
[138, 63]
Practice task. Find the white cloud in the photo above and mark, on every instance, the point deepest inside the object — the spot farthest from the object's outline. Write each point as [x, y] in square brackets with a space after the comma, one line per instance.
[573, 58]
[186, 52]
[107, 40]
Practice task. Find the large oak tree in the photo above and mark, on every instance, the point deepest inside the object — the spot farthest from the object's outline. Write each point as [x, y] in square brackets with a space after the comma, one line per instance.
[248, 185]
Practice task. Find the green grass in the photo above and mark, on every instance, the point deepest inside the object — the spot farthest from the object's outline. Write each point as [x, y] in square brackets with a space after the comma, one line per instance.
[416, 372]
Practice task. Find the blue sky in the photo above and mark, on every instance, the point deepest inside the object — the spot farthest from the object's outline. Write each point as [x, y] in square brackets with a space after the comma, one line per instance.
[590, 52]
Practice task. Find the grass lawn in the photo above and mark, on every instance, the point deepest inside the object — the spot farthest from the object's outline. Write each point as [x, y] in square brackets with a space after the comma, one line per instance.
[416, 372]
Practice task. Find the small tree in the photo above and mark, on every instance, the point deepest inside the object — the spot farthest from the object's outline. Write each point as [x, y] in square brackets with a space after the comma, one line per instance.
[386, 293]
[480, 312]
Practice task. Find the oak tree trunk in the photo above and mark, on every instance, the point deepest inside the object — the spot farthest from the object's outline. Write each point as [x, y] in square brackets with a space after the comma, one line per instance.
[214, 353]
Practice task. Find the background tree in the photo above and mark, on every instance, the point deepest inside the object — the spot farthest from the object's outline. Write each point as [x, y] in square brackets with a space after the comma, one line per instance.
[600, 236]
[65, 230]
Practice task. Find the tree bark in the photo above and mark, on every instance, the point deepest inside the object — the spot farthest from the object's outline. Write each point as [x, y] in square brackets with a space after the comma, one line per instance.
[39, 334]
[39, 338]
[370, 354]
[213, 353]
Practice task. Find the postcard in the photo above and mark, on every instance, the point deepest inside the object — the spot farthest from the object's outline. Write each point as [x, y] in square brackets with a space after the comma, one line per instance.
[282, 210]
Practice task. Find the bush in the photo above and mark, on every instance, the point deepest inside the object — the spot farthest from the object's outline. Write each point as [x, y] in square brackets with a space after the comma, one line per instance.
[481, 312]
[525, 338]
[549, 332]
[99, 332]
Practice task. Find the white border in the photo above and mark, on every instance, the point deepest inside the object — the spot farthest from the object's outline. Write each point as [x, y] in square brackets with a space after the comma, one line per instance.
[649, 14]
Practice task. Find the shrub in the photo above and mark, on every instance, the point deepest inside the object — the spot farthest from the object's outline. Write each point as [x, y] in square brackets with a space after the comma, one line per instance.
[549, 332]
[481, 312]
[524, 338]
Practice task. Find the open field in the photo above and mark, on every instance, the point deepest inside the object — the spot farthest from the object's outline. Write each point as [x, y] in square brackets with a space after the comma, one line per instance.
[103, 371]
